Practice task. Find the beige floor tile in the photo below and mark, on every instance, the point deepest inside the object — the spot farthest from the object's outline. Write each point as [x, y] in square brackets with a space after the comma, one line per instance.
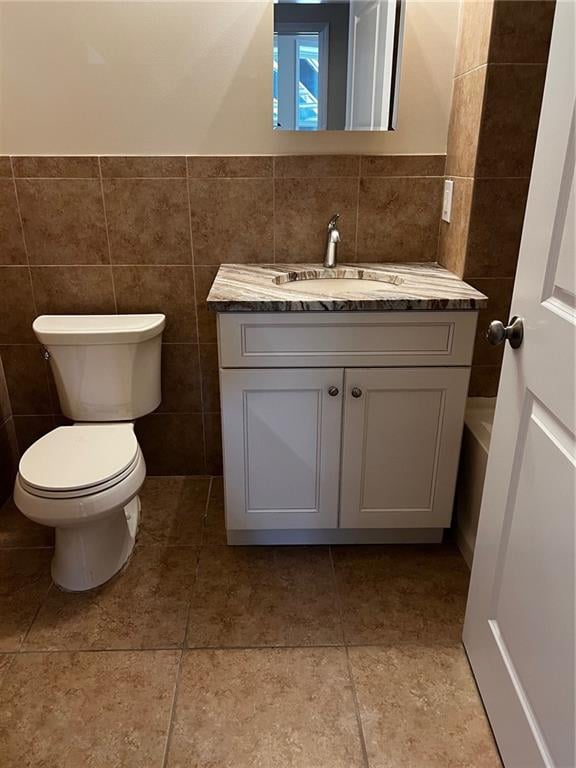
[173, 510]
[215, 524]
[102, 710]
[281, 708]
[420, 709]
[17, 531]
[391, 594]
[24, 582]
[253, 596]
[145, 606]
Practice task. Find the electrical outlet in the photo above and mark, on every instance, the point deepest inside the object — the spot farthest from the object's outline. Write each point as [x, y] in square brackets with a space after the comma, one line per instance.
[447, 202]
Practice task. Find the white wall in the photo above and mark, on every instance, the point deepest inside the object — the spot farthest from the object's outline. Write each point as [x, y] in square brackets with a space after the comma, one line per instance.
[189, 78]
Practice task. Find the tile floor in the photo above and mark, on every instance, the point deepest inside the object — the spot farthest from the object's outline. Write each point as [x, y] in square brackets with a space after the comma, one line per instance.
[205, 656]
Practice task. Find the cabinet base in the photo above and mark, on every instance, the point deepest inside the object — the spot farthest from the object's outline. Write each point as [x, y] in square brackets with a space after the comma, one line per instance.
[336, 536]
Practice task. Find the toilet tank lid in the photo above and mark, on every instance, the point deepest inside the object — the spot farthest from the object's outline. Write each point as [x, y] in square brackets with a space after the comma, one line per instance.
[97, 329]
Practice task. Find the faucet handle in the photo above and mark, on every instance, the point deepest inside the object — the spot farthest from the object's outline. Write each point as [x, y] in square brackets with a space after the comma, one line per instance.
[333, 220]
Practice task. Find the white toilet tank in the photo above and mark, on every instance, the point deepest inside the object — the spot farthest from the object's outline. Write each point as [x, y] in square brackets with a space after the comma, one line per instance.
[106, 367]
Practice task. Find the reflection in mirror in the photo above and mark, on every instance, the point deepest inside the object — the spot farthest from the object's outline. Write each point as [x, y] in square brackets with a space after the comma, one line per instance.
[336, 65]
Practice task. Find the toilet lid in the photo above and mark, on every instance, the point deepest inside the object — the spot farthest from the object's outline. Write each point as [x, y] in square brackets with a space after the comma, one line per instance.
[81, 456]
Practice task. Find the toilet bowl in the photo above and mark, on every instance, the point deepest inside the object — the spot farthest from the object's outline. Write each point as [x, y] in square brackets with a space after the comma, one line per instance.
[84, 479]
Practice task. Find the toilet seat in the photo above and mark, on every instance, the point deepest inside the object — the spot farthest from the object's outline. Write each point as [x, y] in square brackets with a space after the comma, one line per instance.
[79, 493]
[81, 460]
[74, 508]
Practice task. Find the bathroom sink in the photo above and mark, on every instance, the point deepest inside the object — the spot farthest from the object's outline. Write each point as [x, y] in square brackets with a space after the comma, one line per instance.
[338, 280]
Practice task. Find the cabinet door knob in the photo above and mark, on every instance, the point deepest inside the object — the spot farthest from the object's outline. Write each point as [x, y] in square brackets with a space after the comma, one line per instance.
[356, 392]
[333, 391]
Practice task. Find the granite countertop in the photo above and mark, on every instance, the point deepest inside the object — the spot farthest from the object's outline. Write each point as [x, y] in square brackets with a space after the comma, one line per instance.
[384, 287]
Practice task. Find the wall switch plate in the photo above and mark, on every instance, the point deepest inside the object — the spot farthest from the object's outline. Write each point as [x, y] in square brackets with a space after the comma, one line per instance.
[447, 202]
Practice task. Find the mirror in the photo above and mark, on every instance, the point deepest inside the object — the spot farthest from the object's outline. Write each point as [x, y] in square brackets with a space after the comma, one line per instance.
[336, 65]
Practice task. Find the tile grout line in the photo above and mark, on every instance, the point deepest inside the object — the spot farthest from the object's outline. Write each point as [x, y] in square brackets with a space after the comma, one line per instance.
[357, 709]
[337, 595]
[101, 180]
[486, 178]
[195, 292]
[172, 710]
[293, 177]
[104, 265]
[225, 648]
[185, 641]
[478, 138]
[204, 520]
[361, 736]
[357, 230]
[36, 612]
[370, 176]
[32, 292]
[97, 177]
[24, 243]
[188, 266]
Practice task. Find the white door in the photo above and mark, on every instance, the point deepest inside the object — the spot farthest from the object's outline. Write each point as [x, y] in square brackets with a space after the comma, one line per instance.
[370, 64]
[281, 437]
[520, 619]
[400, 446]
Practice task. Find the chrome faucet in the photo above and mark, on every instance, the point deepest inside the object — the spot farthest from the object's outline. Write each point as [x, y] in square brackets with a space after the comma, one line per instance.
[332, 242]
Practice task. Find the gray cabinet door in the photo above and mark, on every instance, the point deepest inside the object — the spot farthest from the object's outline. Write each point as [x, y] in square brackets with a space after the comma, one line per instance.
[281, 438]
[401, 445]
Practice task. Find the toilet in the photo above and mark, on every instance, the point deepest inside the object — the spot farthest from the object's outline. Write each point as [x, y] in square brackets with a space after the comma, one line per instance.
[84, 479]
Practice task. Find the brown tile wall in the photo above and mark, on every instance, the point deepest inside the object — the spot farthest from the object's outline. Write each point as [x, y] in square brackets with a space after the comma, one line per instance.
[498, 87]
[140, 234]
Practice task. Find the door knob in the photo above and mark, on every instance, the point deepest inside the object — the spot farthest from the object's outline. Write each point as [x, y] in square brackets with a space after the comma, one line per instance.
[333, 391]
[513, 332]
[356, 392]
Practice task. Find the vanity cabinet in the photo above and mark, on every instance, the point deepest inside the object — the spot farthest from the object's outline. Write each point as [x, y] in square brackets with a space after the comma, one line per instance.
[342, 427]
